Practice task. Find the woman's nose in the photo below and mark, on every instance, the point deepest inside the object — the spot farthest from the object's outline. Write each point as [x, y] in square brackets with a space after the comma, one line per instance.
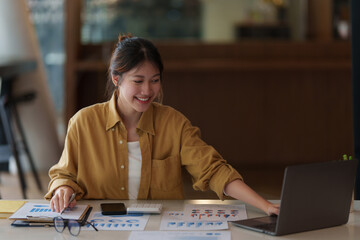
[146, 89]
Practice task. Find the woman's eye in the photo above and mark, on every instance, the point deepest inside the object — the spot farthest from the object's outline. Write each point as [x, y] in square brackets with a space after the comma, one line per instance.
[138, 81]
[156, 80]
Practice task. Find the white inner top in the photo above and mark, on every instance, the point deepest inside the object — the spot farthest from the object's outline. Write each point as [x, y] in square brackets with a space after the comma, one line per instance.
[134, 168]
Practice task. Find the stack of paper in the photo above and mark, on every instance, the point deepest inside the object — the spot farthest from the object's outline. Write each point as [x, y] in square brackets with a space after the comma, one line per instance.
[39, 214]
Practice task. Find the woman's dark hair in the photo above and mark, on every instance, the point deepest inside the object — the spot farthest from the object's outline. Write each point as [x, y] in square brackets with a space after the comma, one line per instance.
[130, 52]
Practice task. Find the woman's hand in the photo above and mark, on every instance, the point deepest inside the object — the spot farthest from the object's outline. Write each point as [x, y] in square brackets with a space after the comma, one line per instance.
[61, 198]
[273, 209]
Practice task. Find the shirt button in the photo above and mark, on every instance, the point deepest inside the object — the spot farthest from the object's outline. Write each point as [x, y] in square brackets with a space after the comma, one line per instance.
[122, 166]
[121, 142]
[113, 129]
[122, 188]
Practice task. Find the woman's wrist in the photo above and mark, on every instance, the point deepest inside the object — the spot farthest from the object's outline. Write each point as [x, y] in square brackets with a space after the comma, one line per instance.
[65, 187]
[267, 207]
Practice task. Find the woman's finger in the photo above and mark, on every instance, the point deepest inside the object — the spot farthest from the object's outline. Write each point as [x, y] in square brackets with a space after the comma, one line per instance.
[72, 204]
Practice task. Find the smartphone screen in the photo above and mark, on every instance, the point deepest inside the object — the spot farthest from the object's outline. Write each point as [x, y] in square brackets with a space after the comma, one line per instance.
[113, 208]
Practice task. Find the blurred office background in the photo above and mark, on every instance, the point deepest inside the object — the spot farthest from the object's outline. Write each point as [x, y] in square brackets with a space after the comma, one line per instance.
[267, 81]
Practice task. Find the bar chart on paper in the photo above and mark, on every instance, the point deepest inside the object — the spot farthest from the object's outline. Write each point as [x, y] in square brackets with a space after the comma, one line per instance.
[43, 210]
[202, 217]
[40, 209]
[175, 221]
[128, 222]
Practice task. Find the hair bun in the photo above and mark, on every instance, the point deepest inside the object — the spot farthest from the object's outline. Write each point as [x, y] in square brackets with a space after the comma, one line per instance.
[122, 37]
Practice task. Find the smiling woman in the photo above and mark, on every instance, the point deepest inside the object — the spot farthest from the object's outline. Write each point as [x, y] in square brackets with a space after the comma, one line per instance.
[97, 164]
[135, 72]
[137, 88]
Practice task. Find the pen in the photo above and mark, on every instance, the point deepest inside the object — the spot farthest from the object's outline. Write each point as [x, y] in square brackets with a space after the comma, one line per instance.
[70, 200]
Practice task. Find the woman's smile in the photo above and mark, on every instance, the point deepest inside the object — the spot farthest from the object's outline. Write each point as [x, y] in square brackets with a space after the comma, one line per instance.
[143, 99]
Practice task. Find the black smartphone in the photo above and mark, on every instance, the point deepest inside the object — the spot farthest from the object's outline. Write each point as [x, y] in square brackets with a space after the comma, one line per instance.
[113, 208]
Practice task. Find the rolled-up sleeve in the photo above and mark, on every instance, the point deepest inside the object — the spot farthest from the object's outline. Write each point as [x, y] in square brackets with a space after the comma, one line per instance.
[206, 166]
[65, 171]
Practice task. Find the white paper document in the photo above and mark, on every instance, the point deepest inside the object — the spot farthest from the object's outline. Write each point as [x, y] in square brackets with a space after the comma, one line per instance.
[39, 210]
[215, 212]
[181, 235]
[203, 217]
[177, 221]
[127, 222]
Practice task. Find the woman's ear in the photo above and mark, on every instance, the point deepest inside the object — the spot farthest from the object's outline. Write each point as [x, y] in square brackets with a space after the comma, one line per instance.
[115, 80]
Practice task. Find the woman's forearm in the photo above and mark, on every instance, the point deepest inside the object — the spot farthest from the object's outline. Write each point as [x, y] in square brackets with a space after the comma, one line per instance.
[241, 191]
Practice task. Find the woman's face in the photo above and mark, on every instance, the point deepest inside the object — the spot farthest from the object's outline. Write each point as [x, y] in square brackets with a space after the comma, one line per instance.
[138, 88]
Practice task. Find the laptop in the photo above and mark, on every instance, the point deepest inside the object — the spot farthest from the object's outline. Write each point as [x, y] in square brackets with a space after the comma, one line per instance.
[313, 196]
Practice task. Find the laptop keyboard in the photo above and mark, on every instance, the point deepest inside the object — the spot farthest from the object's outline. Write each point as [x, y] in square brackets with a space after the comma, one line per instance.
[267, 226]
[267, 223]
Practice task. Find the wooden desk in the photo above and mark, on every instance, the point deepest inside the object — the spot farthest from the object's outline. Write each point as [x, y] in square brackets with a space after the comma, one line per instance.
[349, 231]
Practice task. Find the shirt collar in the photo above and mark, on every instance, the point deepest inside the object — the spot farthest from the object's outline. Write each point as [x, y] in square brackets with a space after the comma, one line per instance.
[113, 116]
[146, 122]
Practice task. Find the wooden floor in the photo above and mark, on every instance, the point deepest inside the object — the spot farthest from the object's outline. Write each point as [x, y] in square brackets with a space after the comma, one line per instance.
[267, 182]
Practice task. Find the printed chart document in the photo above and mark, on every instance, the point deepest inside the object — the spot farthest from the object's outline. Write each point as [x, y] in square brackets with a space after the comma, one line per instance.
[215, 212]
[177, 221]
[126, 222]
[173, 235]
[202, 217]
[42, 212]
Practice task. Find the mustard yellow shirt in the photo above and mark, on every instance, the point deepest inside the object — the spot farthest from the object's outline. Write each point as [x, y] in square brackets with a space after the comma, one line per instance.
[94, 161]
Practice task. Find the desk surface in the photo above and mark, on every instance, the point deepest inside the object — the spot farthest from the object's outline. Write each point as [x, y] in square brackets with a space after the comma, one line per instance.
[351, 230]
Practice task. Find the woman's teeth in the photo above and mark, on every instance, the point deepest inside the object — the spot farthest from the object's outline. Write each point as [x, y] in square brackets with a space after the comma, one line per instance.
[143, 99]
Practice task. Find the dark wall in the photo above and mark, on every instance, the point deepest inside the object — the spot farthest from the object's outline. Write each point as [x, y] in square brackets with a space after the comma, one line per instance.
[268, 104]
